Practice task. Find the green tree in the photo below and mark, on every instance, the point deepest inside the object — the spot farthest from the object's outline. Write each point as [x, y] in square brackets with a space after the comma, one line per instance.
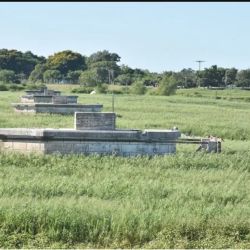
[7, 76]
[66, 61]
[52, 76]
[19, 62]
[37, 74]
[167, 86]
[124, 79]
[186, 78]
[73, 76]
[103, 56]
[243, 78]
[230, 76]
[105, 64]
[89, 78]
[212, 76]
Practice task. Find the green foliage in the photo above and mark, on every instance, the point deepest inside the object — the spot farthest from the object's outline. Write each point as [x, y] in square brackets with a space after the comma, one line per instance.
[16, 87]
[124, 79]
[104, 64]
[65, 61]
[188, 200]
[7, 76]
[212, 76]
[103, 56]
[182, 201]
[230, 76]
[138, 88]
[52, 76]
[167, 86]
[89, 78]
[83, 89]
[33, 86]
[3, 87]
[101, 88]
[37, 74]
[18, 61]
[73, 76]
[186, 78]
[243, 78]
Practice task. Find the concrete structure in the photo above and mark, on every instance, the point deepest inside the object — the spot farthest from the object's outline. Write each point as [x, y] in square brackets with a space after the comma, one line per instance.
[86, 140]
[56, 108]
[95, 121]
[211, 145]
[50, 101]
[43, 91]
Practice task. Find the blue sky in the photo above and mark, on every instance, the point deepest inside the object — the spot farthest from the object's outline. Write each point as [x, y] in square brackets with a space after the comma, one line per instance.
[157, 36]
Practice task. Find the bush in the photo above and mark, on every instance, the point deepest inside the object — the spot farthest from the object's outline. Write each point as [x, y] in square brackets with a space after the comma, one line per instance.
[115, 91]
[82, 89]
[138, 88]
[3, 87]
[31, 86]
[168, 86]
[16, 87]
[101, 88]
[7, 76]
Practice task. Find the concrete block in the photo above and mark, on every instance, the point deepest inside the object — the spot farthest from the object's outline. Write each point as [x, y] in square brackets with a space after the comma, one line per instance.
[94, 121]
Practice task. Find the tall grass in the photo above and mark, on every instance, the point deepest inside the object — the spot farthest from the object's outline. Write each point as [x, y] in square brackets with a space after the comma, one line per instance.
[189, 200]
[194, 116]
[161, 202]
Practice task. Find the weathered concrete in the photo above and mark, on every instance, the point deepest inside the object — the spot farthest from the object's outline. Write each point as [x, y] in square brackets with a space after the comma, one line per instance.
[56, 108]
[211, 145]
[94, 121]
[43, 91]
[49, 99]
[67, 141]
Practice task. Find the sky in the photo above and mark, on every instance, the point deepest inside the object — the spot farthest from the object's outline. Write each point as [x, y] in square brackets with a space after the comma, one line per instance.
[158, 36]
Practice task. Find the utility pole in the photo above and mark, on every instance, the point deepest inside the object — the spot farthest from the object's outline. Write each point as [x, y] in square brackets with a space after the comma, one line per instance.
[199, 61]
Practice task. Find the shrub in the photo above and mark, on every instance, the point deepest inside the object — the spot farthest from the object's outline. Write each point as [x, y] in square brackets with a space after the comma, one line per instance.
[3, 87]
[16, 87]
[31, 86]
[168, 86]
[138, 88]
[101, 88]
[82, 89]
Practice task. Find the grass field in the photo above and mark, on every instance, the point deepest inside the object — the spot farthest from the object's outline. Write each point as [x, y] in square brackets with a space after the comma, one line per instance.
[189, 200]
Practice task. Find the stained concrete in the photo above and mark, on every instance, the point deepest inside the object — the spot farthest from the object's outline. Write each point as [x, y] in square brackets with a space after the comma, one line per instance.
[68, 141]
[94, 121]
[56, 108]
[49, 99]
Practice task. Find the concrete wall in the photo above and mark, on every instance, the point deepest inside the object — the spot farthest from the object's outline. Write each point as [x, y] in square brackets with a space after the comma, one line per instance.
[25, 147]
[68, 141]
[66, 108]
[56, 108]
[109, 148]
[94, 121]
[49, 99]
[43, 92]
[72, 99]
[59, 99]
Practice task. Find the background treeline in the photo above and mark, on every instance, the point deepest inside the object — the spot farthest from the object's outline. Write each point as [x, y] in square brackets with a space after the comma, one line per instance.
[101, 68]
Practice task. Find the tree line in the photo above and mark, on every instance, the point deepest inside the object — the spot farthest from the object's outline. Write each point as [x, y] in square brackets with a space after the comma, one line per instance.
[102, 67]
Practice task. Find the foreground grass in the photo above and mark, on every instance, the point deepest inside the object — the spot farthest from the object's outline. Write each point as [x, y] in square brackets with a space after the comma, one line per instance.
[182, 201]
[189, 200]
